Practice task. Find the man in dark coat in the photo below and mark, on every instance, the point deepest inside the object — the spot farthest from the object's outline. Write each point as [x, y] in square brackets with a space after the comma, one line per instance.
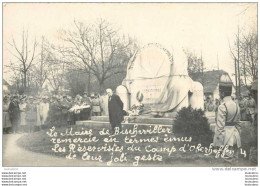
[115, 110]
[14, 113]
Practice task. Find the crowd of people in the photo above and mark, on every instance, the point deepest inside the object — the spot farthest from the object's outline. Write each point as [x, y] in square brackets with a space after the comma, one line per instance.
[246, 103]
[28, 114]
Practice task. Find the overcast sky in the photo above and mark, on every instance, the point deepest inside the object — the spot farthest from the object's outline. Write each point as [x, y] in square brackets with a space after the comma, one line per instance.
[205, 27]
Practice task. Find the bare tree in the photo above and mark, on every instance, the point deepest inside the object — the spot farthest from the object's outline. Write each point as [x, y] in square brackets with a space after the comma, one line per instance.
[195, 63]
[98, 49]
[56, 70]
[250, 57]
[244, 53]
[235, 53]
[40, 70]
[25, 56]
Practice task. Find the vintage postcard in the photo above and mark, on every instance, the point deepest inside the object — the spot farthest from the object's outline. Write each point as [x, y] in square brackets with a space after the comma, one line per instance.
[130, 85]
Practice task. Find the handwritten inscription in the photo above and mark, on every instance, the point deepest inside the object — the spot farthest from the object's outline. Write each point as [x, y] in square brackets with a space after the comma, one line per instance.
[133, 145]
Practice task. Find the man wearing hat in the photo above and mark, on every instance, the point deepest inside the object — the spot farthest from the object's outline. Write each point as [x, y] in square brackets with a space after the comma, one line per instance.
[115, 110]
[251, 109]
[69, 104]
[228, 116]
[96, 109]
[14, 113]
[243, 107]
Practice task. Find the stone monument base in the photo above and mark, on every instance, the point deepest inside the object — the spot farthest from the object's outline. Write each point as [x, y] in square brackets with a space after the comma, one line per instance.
[144, 119]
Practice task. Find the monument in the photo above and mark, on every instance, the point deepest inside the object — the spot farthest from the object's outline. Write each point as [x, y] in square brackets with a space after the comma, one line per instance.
[162, 79]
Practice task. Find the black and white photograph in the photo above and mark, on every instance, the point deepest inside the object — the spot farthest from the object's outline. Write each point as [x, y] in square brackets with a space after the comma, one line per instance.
[130, 84]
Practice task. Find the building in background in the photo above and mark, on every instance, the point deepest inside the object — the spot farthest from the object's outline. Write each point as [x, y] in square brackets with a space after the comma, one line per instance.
[210, 82]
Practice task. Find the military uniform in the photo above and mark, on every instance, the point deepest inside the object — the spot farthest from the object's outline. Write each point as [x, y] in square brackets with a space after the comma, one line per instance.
[243, 107]
[210, 107]
[85, 113]
[251, 105]
[54, 113]
[65, 106]
[96, 106]
[227, 128]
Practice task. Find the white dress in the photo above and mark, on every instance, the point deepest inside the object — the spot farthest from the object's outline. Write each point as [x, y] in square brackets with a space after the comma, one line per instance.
[43, 112]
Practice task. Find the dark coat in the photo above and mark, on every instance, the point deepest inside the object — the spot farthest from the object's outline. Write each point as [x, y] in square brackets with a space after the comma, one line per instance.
[31, 112]
[14, 112]
[115, 109]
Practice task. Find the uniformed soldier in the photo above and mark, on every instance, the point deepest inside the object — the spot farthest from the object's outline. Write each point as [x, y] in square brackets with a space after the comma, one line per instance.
[65, 106]
[243, 108]
[96, 109]
[86, 112]
[69, 104]
[210, 106]
[251, 109]
[227, 131]
[254, 91]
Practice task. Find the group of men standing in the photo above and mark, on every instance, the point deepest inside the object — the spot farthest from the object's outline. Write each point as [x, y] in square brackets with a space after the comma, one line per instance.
[248, 108]
[22, 113]
[64, 109]
[246, 103]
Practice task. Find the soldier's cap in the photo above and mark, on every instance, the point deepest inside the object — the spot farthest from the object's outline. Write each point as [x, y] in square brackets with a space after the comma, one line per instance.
[225, 81]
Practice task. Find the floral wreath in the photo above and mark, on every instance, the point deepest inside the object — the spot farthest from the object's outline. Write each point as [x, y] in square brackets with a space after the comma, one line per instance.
[139, 96]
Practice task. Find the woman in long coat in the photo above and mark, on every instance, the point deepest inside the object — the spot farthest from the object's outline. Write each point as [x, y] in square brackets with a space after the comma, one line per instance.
[14, 113]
